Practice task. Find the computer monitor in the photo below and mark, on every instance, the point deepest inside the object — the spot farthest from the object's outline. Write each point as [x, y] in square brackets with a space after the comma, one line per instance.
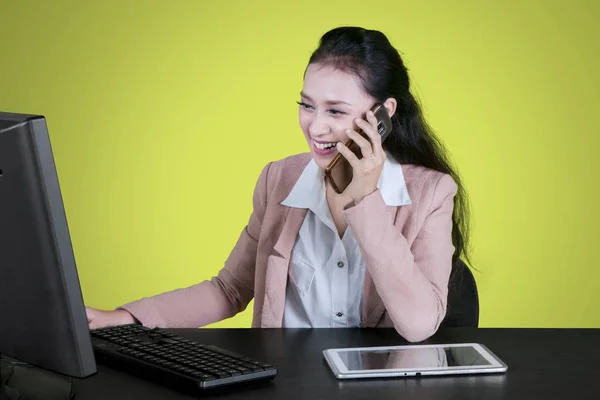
[42, 314]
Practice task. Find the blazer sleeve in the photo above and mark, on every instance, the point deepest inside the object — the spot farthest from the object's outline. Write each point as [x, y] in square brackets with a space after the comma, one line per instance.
[216, 299]
[412, 281]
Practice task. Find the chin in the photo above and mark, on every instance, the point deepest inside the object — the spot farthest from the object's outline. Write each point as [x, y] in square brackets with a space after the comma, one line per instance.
[321, 161]
[321, 164]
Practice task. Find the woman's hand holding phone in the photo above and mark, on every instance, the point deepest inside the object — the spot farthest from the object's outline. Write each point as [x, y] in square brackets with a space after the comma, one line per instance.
[366, 171]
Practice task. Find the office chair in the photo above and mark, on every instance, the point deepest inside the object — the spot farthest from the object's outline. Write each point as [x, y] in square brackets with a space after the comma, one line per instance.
[463, 299]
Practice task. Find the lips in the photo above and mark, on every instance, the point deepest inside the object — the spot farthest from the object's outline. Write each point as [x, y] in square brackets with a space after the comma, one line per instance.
[324, 148]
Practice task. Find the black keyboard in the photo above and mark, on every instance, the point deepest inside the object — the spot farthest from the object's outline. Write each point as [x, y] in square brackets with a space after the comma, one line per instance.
[166, 358]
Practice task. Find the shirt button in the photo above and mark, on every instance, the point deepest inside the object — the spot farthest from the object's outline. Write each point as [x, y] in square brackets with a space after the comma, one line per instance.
[339, 314]
[341, 264]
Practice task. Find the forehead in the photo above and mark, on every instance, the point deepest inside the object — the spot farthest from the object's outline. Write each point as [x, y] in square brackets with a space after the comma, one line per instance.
[328, 83]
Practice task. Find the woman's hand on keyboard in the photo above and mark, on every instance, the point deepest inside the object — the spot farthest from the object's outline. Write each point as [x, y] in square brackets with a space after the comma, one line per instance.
[102, 318]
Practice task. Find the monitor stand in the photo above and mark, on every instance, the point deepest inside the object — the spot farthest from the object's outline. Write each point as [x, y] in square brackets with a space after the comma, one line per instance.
[6, 393]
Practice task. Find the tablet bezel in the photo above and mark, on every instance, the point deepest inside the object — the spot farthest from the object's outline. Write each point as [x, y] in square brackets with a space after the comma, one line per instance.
[341, 372]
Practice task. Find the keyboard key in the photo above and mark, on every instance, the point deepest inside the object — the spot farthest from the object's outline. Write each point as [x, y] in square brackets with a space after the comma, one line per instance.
[244, 371]
[233, 372]
[218, 373]
[255, 368]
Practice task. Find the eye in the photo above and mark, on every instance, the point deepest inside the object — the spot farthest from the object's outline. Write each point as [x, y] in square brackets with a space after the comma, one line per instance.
[333, 111]
[304, 105]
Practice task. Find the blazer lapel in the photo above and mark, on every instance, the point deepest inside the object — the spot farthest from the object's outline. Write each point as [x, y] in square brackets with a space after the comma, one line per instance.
[289, 233]
[277, 269]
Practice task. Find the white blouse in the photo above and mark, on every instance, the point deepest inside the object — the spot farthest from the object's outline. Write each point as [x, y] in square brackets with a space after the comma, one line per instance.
[326, 272]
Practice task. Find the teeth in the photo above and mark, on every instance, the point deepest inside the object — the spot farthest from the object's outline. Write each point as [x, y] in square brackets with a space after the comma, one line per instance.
[324, 146]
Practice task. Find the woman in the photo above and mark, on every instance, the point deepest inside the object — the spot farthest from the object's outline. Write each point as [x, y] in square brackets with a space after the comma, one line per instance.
[378, 254]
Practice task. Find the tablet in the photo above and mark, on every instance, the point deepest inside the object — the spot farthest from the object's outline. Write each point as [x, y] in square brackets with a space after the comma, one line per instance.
[412, 360]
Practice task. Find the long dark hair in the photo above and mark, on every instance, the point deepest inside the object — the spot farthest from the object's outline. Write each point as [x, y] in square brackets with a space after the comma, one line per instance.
[369, 55]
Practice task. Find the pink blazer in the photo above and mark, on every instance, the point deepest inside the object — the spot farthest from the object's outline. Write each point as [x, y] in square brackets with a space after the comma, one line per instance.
[407, 250]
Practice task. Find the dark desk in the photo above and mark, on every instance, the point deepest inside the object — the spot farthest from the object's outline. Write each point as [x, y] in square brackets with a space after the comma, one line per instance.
[542, 364]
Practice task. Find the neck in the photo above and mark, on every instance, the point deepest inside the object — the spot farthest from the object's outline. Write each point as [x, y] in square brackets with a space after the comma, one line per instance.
[337, 199]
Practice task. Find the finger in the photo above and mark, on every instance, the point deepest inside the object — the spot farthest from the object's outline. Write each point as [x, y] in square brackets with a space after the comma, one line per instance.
[370, 129]
[374, 135]
[365, 146]
[348, 155]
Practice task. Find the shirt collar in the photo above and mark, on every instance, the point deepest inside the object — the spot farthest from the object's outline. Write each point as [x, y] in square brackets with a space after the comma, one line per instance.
[310, 187]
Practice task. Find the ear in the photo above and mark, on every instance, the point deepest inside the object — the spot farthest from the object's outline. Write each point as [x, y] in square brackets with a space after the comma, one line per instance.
[390, 105]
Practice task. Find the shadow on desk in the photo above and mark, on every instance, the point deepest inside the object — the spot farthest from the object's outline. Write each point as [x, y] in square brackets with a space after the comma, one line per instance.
[425, 387]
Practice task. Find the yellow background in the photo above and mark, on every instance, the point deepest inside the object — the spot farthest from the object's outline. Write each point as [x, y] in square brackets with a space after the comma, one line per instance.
[162, 115]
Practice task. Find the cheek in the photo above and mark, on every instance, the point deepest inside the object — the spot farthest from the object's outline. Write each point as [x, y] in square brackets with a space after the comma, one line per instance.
[340, 133]
[305, 120]
[339, 128]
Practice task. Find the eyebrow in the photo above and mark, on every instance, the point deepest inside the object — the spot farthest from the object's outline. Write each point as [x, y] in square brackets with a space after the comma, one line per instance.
[328, 102]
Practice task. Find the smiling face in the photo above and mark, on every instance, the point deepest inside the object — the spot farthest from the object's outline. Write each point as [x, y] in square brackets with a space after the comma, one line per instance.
[330, 101]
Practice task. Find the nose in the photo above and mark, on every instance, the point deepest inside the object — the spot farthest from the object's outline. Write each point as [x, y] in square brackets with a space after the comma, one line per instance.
[319, 126]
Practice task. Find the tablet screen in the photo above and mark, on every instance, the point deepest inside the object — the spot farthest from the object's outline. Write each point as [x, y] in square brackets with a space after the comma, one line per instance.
[419, 357]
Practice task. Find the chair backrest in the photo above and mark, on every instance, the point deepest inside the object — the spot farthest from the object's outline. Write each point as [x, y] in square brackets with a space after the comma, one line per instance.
[463, 299]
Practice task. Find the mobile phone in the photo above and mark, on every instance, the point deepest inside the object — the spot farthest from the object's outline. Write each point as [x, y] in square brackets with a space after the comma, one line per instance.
[339, 171]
